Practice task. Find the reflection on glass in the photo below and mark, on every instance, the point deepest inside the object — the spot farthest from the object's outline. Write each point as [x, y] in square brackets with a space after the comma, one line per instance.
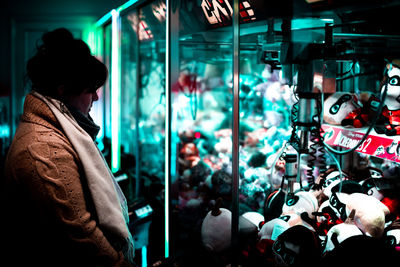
[143, 121]
[265, 104]
[201, 134]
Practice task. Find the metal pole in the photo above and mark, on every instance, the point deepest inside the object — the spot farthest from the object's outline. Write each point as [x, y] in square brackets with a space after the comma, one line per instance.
[235, 136]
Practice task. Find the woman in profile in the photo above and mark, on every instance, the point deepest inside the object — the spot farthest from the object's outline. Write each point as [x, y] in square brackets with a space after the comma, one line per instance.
[63, 206]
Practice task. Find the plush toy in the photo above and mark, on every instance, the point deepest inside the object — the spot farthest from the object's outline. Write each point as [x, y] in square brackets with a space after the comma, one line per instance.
[385, 190]
[325, 183]
[371, 188]
[338, 106]
[369, 213]
[273, 228]
[277, 171]
[247, 229]
[327, 217]
[389, 123]
[254, 217]
[293, 218]
[297, 246]
[302, 202]
[392, 234]
[338, 233]
[273, 204]
[216, 229]
[363, 114]
[340, 194]
[189, 155]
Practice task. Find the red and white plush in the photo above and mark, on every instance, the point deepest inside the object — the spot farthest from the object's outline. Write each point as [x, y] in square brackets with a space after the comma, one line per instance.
[254, 217]
[216, 229]
[391, 109]
[292, 218]
[325, 208]
[342, 231]
[369, 213]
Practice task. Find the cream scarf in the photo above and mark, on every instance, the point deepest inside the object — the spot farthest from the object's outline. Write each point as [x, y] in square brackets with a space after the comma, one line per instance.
[109, 201]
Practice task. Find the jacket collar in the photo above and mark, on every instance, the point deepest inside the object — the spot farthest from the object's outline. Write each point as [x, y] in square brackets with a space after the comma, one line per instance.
[36, 111]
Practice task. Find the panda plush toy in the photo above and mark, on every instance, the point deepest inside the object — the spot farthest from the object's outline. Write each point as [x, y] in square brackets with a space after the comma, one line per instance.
[338, 106]
[389, 122]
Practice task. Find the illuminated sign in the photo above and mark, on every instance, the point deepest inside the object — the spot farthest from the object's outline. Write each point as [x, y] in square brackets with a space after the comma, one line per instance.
[144, 211]
[219, 12]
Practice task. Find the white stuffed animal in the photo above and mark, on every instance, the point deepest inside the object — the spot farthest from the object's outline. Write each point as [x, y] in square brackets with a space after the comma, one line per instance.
[369, 213]
[216, 229]
[340, 232]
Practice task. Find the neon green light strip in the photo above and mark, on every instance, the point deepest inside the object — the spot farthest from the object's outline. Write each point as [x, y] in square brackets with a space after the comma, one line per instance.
[115, 91]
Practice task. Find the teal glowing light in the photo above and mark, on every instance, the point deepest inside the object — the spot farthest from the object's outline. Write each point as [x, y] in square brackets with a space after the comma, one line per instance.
[167, 143]
[103, 19]
[144, 256]
[109, 15]
[126, 5]
[115, 92]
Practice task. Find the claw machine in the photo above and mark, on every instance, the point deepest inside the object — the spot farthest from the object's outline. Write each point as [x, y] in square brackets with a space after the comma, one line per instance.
[221, 118]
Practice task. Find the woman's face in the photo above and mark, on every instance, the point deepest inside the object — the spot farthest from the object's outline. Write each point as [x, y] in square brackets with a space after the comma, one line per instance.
[83, 102]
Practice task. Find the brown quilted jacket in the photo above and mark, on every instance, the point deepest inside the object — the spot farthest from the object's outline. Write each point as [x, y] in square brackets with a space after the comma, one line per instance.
[51, 220]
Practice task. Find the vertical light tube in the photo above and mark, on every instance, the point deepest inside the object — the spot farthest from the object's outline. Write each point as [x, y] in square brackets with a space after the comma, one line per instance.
[137, 104]
[115, 91]
[167, 123]
[235, 135]
[144, 256]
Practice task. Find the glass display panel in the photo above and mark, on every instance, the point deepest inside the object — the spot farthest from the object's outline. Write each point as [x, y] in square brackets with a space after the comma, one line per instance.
[201, 134]
[143, 121]
[265, 106]
[150, 28]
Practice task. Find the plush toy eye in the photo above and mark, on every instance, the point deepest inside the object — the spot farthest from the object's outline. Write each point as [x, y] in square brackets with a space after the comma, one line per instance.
[335, 109]
[327, 183]
[394, 80]
[285, 218]
[370, 192]
[341, 210]
[333, 201]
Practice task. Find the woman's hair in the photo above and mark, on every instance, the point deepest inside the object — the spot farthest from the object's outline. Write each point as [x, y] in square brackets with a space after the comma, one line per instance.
[64, 61]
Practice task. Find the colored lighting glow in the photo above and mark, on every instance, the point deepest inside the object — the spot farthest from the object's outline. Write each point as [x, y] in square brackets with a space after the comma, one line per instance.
[4, 131]
[167, 128]
[115, 92]
[144, 256]
[103, 19]
[126, 5]
[108, 16]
